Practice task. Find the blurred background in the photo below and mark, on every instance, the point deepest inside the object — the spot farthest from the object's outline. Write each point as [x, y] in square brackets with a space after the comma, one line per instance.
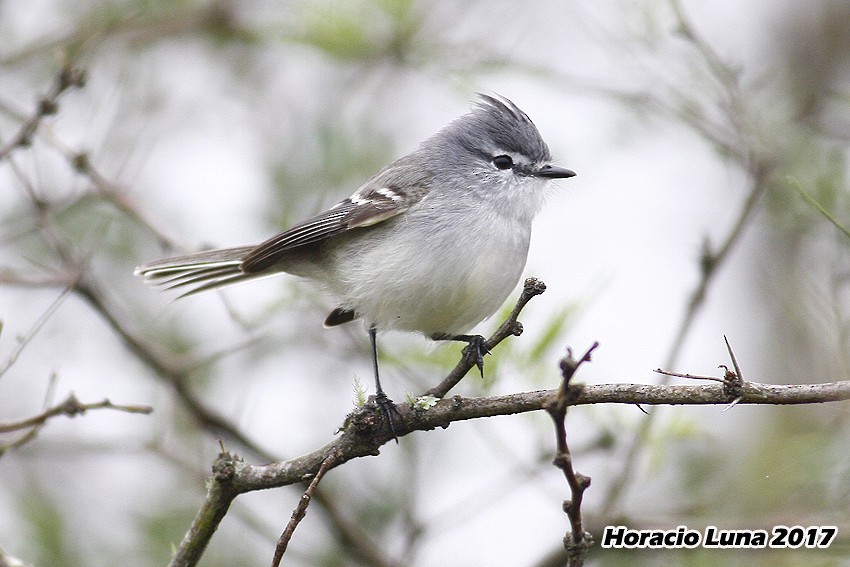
[695, 129]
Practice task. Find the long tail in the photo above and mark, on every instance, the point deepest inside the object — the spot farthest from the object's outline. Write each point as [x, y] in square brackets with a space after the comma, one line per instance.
[200, 272]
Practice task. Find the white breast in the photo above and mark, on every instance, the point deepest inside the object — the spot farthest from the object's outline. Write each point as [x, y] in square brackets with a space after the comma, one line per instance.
[431, 281]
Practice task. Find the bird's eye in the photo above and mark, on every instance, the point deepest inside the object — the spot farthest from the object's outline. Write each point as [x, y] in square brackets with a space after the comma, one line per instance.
[503, 162]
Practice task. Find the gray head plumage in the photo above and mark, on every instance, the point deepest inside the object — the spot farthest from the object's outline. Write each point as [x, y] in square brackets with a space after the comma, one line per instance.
[497, 125]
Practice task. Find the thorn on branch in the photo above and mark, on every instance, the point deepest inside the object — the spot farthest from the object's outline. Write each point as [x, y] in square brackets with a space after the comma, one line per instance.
[733, 381]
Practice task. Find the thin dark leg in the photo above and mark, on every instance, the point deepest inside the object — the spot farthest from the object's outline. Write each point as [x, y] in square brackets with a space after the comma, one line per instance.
[385, 404]
[475, 349]
[373, 339]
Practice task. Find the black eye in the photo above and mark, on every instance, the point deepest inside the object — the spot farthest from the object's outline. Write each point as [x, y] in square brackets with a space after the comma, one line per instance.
[503, 162]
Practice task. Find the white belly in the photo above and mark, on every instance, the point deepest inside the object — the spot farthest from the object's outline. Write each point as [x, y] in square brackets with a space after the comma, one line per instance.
[435, 284]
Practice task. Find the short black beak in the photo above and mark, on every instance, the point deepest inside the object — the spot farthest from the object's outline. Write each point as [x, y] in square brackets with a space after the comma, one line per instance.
[555, 172]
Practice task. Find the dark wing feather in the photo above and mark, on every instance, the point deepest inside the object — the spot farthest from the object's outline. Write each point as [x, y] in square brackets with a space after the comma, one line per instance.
[204, 270]
[370, 205]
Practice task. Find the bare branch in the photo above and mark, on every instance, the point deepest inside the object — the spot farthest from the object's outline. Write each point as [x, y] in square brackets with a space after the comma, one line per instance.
[578, 541]
[24, 340]
[71, 407]
[301, 510]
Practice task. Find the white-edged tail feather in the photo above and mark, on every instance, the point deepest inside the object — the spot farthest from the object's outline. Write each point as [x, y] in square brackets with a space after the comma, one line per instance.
[200, 272]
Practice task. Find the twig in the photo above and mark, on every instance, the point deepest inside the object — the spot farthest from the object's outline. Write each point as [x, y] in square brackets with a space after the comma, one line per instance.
[301, 510]
[31, 332]
[511, 326]
[733, 382]
[69, 76]
[71, 407]
[578, 541]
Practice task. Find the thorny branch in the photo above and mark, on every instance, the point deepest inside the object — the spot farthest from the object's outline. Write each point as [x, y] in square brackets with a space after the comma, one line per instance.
[577, 542]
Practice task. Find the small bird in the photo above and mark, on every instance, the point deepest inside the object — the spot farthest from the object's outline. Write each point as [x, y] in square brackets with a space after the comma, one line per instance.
[433, 243]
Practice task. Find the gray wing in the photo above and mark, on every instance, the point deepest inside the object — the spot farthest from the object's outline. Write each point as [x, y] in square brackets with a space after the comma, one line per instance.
[373, 203]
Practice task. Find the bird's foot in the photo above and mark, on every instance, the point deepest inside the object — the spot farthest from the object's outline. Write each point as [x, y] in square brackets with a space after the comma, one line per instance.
[389, 413]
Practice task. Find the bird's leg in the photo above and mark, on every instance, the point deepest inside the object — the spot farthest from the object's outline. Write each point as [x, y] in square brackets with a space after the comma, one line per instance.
[474, 351]
[384, 403]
